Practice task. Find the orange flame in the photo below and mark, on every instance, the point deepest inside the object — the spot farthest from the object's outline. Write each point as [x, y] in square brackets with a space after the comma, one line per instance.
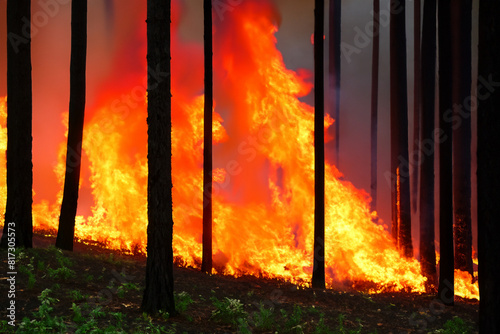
[263, 175]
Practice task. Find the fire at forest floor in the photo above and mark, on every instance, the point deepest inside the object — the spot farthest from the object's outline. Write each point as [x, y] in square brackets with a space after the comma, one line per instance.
[96, 290]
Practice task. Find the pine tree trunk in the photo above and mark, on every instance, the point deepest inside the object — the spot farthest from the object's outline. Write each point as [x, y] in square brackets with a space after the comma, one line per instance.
[427, 144]
[318, 276]
[374, 103]
[446, 271]
[417, 88]
[18, 213]
[461, 29]
[334, 70]
[399, 129]
[159, 292]
[206, 265]
[66, 231]
[488, 165]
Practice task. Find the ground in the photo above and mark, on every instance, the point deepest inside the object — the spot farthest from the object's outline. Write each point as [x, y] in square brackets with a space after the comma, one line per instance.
[96, 290]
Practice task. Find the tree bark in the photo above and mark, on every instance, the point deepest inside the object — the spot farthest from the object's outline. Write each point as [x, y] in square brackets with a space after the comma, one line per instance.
[66, 231]
[318, 276]
[446, 271]
[417, 89]
[206, 264]
[427, 144]
[401, 205]
[374, 104]
[334, 71]
[158, 294]
[18, 213]
[461, 62]
[488, 165]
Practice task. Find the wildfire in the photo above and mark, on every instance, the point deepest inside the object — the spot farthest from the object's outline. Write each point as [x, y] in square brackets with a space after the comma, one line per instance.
[263, 177]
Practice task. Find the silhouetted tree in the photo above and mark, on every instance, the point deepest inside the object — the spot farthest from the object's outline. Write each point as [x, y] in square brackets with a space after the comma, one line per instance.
[159, 292]
[334, 70]
[206, 264]
[427, 145]
[446, 271]
[66, 231]
[417, 89]
[318, 276]
[400, 189]
[461, 62]
[374, 103]
[488, 165]
[18, 213]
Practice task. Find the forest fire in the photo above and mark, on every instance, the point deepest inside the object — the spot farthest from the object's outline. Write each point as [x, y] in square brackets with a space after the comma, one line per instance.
[264, 180]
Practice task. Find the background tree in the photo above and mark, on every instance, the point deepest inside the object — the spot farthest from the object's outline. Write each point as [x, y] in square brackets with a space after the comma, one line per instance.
[461, 17]
[66, 231]
[374, 103]
[159, 291]
[488, 165]
[19, 119]
[318, 276]
[206, 264]
[400, 190]
[334, 70]
[446, 271]
[417, 89]
[428, 68]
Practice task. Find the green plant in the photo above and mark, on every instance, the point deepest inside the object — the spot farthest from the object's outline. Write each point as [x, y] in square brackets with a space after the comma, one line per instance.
[43, 321]
[125, 287]
[182, 301]
[77, 313]
[61, 273]
[228, 310]
[454, 326]
[321, 327]
[89, 278]
[76, 295]
[293, 322]
[342, 330]
[28, 270]
[264, 317]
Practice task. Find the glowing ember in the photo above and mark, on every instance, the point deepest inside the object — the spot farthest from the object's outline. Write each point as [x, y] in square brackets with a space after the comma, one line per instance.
[264, 175]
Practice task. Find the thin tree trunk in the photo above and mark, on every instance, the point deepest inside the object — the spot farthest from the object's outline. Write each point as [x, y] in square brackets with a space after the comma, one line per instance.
[427, 144]
[488, 165]
[206, 264]
[461, 30]
[66, 231]
[417, 88]
[446, 271]
[18, 213]
[318, 276]
[374, 103]
[399, 129]
[159, 291]
[334, 69]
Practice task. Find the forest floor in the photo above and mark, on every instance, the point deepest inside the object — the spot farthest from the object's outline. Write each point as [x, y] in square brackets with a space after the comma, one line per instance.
[96, 290]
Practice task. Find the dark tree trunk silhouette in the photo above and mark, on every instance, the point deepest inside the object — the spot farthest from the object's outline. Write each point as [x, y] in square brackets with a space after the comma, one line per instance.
[334, 71]
[400, 190]
[488, 165]
[374, 104]
[18, 214]
[66, 231]
[446, 271]
[461, 62]
[159, 291]
[417, 89]
[206, 264]
[427, 144]
[318, 276]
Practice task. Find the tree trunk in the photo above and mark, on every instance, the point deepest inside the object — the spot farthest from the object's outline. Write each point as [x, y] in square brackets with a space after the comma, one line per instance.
[374, 103]
[206, 264]
[18, 214]
[488, 165]
[159, 292]
[318, 276]
[427, 144]
[461, 30]
[334, 69]
[401, 205]
[417, 89]
[66, 231]
[446, 271]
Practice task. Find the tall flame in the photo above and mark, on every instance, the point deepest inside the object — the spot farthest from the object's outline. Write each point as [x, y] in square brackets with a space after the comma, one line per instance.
[264, 176]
